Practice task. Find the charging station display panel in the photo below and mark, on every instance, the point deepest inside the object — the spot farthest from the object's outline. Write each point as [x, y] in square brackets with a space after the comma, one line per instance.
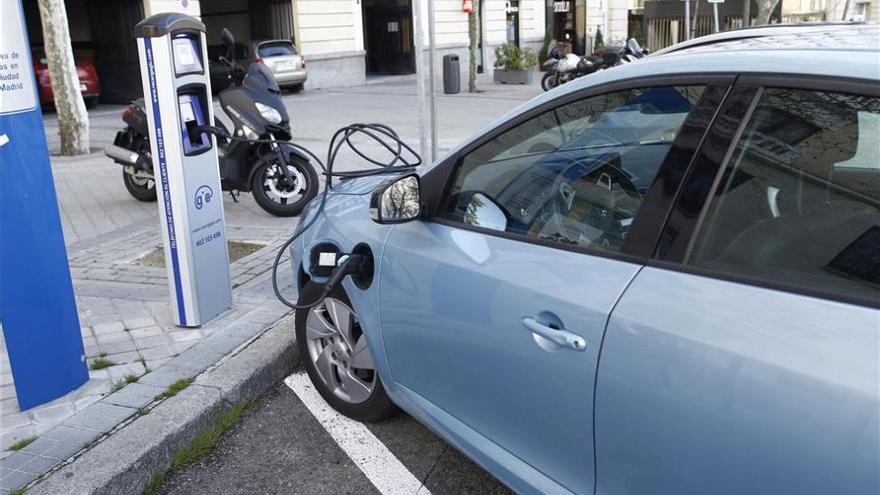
[187, 55]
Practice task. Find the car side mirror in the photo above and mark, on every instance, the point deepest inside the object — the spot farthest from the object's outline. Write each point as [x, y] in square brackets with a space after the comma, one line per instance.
[483, 211]
[397, 200]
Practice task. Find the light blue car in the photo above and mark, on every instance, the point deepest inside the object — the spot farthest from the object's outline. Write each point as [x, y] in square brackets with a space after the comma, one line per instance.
[660, 278]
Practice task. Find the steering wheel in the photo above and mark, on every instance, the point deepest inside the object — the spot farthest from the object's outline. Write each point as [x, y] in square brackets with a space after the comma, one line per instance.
[600, 217]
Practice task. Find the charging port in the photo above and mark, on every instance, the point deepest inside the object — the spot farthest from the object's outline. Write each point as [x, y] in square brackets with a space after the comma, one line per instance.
[363, 277]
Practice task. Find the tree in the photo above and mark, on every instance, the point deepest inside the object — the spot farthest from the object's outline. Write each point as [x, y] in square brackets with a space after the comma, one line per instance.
[765, 10]
[472, 47]
[73, 119]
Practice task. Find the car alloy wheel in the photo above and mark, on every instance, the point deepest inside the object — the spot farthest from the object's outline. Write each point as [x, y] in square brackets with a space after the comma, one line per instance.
[338, 349]
[334, 350]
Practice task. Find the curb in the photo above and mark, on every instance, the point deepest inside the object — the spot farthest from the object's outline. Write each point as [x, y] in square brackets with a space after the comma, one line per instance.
[125, 461]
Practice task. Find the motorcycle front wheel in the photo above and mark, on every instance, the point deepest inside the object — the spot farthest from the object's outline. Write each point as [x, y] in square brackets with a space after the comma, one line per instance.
[549, 81]
[142, 189]
[279, 197]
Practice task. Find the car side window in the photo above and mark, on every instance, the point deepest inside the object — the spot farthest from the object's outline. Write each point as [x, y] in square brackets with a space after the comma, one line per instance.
[574, 174]
[799, 201]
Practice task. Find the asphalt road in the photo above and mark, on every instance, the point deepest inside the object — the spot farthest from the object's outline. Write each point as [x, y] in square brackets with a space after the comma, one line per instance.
[281, 447]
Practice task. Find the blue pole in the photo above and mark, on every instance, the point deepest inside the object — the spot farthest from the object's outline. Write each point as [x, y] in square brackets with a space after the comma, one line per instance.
[37, 306]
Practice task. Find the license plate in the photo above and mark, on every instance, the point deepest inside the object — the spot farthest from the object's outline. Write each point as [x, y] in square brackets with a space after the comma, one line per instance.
[285, 66]
[82, 87]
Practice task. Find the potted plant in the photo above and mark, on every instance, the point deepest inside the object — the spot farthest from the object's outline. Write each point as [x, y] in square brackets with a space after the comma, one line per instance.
[514, 65]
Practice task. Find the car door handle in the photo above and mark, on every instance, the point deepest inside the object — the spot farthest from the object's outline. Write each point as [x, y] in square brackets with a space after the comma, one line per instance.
[557, 336]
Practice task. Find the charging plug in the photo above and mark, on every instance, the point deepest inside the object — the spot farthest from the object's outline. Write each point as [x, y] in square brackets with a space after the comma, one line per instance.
[217, 131]
[348, 264]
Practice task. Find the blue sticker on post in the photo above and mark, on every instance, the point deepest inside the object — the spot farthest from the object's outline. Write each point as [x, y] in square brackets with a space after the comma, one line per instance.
[37, 307]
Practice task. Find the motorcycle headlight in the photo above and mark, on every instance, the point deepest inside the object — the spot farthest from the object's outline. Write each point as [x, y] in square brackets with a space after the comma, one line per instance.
[270, 114]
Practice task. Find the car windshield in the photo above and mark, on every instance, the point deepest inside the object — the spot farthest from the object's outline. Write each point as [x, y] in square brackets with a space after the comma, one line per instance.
[276, 49]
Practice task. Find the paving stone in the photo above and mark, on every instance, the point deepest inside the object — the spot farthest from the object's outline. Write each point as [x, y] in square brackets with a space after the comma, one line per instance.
[119, 347]
[16, 460]
[100, 417]
[38, 465]
[15, 420]
[146, 331]
[166, 375]
[53, 414]
[15, 480]
[122, 371]
[159, 352]
[40, 445]
[9, 437]
[185, 336]
[106, 328]
[148, 342]
[63, 450]
[70, 434]
[113, 338]
[134, 395]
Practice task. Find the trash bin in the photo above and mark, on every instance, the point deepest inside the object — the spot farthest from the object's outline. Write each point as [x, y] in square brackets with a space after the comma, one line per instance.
[451, 75]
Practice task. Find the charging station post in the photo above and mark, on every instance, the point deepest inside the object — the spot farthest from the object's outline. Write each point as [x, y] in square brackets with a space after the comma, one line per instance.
[177, 90]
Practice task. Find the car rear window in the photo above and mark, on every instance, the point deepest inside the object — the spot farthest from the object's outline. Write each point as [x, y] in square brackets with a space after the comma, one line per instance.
[276, 49]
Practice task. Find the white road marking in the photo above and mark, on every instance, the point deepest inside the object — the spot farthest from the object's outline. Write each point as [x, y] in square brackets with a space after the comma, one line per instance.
[370, 455]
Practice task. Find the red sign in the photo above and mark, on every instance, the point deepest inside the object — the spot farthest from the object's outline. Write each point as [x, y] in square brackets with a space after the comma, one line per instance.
[467, 6]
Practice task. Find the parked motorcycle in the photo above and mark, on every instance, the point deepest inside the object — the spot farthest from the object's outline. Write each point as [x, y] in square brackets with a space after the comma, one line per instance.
[254, 157]
[562, 69]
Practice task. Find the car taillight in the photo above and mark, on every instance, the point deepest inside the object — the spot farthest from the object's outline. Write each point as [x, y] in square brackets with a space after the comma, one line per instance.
[303, 64]
[126, 113]
[258, 61]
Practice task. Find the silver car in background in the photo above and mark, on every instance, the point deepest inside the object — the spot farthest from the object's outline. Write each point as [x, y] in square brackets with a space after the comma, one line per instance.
[283, 61]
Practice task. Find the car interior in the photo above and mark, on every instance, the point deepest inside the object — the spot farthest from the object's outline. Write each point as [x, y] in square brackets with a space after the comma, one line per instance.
[576, 174]
[800, 202]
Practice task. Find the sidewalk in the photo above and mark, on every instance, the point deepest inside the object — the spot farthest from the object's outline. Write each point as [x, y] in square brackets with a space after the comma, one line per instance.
[114, 248]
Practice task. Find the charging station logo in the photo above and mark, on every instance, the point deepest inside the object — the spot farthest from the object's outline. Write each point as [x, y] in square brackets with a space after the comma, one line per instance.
[203, 196]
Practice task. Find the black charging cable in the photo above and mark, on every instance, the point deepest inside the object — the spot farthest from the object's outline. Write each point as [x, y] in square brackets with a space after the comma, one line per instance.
[402, 158]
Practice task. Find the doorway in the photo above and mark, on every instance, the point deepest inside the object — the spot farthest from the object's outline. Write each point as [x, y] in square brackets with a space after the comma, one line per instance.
[513, 22]
[388, 36]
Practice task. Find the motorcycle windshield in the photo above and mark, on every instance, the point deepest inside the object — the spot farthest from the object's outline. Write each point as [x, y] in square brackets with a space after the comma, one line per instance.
[634, 47]
[259, 78]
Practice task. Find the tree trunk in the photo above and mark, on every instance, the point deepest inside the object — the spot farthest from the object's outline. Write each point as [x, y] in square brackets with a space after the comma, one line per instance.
[73, 119]
[472, 37]
[765, 10]
[747, 13]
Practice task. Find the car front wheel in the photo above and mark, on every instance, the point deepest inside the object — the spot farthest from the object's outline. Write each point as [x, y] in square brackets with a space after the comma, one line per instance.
[336, 356]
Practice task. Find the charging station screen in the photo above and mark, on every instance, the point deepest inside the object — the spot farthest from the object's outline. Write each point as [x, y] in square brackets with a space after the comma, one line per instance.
[187, 56]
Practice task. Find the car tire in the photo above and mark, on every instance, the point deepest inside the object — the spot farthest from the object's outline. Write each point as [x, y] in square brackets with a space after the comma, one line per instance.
[369, 407]
[296, 88]
[91, 102]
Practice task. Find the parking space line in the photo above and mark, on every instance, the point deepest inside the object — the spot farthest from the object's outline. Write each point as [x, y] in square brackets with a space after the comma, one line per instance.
[370, 455]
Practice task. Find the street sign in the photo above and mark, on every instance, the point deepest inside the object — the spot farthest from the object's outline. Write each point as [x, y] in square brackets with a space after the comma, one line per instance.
[37, 308]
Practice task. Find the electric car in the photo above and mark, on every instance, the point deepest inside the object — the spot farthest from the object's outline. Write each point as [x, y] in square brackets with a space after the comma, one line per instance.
[662, 278]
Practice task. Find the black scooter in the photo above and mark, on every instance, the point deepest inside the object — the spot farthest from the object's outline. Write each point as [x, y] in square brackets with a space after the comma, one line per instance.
[255, 157]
